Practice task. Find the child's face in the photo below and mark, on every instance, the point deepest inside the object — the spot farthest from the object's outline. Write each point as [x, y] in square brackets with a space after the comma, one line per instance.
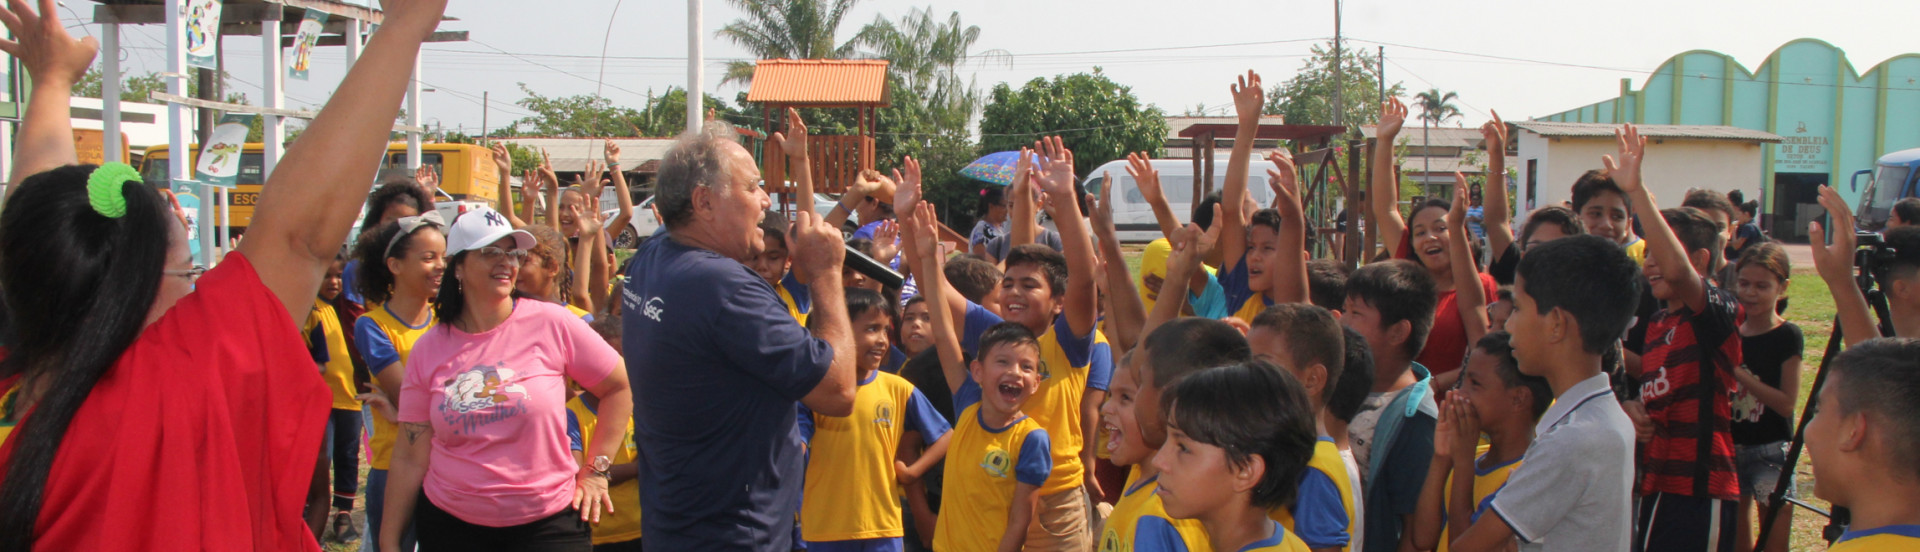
[331, 283]
[1542, 234]
[1656, 278]
[854, 279]
[1026, 297]
[1007, 375]
[1429, 230]
[1195, 478]
[1493, 402]
[1758, 289]
[1498, 312]
[1262, 244]
[1364, 319]
[771, 263]
[870, 339]
[1146, 403]
[1745, 218]
[1527, 328]
[1832, 467]
[1125, 445]
[1605, 215]
[537, 275]
[916, 328]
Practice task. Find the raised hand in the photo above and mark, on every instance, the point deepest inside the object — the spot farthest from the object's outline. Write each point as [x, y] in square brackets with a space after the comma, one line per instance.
[1835, 260]
[817, 249]
[587, 222]
[502, 159]
[1021, 168]
[886, 241]
[924, 232]
[418, 15]
[1140, 167]
[1393, 114]
[1494, 133]
[612, 150]
[1248, 97]
[1626, 169]
[793, 142]
[43, 45]
[1055, 173]
[867, 183]
[1284, 178]
[1191, 246]
[1466, 428]
[179, 212]
[427, 178]
[590, 181]
[1457, 214]
[907, 195]
[1444, 430]
[1102, 204]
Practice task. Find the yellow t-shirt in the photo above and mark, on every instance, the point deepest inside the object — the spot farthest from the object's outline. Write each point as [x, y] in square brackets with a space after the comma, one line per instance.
[1252, 308]
[1158, 534]
[1324, 485]
[580, 312]
[1485, 484]
[7, 417]
[1153, 262]
[985, 466]
[624, 523]
[1137, 501]
[793, 307]
[1056, 407]
[1637, 251]
[851, 492]
[1880, 539]
[338, 372]
[401, 338]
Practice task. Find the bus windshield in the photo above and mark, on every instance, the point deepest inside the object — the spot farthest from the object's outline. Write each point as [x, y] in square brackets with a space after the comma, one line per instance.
[1876, 205]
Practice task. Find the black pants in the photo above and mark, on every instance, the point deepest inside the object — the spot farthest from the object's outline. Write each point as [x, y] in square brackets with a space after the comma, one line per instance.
[1685, 524]
[439, 530]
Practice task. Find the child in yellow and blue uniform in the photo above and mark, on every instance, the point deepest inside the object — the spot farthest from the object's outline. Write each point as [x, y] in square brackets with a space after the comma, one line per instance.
[772, 264]
[1127, 447]
[1219, 421]
[1861, 442]
[851, 498]
[1494, 398]
[327, 341]
[999, 457]
[618, 530]
[1308, 342]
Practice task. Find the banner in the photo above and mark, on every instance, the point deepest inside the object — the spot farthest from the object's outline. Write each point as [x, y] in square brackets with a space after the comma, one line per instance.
[303, 42]
[220, 157]
[203, 33]
[187, 191]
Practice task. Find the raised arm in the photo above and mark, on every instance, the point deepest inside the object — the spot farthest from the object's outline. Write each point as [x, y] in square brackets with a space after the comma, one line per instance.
[1676, 269]
[1248, 99]
[503, 166]
[531, 184]
[925, 245]
[1022, 222]
[552, 180]
[623, 195]
[1499, 215]
[1290, 265]
[818, 254]
[1468, 293]
[1430, 513]
[1835, 263]
[313, 196]
[1147, 179]
[1056, 176]
[583, 254]
[794, 144]
[1383, 196]
[1124, 307]
[863, 186]
[1190, 246]
[56, 62]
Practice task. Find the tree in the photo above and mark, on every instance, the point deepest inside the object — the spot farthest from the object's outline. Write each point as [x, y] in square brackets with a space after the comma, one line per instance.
[924, 55]
[581, 116]
[666, 115]
[789, 29]
[1100, 120]
[1435, 108]
[1306, 99]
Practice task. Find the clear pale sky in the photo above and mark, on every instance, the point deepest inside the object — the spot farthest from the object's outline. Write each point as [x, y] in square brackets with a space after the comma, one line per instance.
[648, 44]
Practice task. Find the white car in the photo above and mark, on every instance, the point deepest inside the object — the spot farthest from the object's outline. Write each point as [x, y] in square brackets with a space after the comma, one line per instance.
[645, 222]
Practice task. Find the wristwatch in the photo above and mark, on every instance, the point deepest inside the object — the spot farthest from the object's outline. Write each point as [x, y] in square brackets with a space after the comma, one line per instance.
[601, 466]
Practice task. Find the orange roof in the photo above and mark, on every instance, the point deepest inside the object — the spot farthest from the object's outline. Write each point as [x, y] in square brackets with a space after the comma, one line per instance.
[820, 82]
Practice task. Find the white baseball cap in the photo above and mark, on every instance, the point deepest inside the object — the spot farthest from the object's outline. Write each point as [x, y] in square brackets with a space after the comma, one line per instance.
[481, 227]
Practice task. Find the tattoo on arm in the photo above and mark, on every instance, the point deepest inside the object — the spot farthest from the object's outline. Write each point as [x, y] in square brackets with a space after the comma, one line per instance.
[415, 430]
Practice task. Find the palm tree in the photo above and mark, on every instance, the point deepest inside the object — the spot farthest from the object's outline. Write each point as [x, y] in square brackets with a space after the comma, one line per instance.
[790, 29]
[924, 56]
[1435, 108]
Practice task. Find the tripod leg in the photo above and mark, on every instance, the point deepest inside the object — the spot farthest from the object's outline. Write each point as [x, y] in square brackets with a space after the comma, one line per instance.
[1777, 499]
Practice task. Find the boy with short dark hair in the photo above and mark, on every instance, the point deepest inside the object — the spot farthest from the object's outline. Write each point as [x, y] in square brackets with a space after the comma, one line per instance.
[1239, 438]
[1605, 211]
[1327, 284]
[1572, 298]
[1864, 442]
[772, 262]
[1350, 392]
[1307, 341]
[1392, 303]
[1495, 398]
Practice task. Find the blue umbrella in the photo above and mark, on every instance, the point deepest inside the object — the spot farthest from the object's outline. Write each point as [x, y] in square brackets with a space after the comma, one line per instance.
[994, 168]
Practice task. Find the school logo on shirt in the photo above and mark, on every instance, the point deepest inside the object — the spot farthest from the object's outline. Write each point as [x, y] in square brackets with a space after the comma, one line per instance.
[1109, 541]
[883, 415]
[654, 308]
[1046, 373]
[997, 463]
[481, 396]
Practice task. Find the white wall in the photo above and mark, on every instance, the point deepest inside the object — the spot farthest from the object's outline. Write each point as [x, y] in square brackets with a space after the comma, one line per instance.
[1671, 168]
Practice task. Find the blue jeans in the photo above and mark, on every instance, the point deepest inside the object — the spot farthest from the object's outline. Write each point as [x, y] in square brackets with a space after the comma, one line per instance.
[376, 507]
[343, 446]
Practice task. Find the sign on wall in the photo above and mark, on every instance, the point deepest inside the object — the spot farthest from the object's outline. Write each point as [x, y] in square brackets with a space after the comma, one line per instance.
[1802, 150]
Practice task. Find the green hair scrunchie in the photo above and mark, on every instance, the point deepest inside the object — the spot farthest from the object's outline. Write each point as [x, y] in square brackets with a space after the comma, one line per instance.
[104, 188]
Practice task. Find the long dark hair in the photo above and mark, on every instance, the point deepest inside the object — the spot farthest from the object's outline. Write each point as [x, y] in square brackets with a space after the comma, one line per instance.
[80, 286]
[450, 302]
[372, 278]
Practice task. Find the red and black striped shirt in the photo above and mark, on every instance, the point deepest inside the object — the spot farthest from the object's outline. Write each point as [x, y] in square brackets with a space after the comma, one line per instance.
[1687, 385]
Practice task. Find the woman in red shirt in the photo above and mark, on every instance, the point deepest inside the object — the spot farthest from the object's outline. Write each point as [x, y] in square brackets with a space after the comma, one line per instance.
[150, 411]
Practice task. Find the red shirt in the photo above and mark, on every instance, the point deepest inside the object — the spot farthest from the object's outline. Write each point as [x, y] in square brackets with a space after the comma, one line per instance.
[202, 437]
[1687, 384]
[1447, 344]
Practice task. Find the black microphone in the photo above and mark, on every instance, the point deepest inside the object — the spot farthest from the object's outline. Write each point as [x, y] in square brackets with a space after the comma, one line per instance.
[876, 270]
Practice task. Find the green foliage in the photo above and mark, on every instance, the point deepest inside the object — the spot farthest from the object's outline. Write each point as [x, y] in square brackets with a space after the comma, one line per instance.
[1436, 107]
[924, 56]
[1098, 119]
[587, 116]
[1304, 99]
[785, 29]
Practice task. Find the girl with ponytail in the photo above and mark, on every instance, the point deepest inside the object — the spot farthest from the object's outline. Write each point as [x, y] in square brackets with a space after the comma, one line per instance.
[144, 406]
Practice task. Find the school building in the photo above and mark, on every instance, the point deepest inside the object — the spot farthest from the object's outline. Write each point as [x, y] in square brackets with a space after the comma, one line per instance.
[1832, 119]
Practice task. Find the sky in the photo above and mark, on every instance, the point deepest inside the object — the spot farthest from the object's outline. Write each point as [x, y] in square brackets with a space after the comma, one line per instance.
[1523, 58]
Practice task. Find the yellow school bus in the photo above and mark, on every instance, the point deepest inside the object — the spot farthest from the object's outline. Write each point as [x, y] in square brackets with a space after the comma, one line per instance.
[466, 173]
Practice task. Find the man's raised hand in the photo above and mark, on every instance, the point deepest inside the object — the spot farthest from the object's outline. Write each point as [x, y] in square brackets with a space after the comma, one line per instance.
[817, 249]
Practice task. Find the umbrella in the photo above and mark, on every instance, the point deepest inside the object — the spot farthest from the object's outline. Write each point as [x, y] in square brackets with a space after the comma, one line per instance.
[994, 168]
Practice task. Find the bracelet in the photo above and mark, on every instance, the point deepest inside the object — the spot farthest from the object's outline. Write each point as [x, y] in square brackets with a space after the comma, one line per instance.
[614, 166]
[842, 206]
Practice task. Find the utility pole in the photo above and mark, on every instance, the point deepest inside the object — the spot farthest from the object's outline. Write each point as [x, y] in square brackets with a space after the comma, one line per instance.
[486, 104]
[1339, 101]
[695, 97]
[1380, 71]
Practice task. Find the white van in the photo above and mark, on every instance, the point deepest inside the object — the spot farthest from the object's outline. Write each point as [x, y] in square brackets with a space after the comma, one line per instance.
[1134, 219]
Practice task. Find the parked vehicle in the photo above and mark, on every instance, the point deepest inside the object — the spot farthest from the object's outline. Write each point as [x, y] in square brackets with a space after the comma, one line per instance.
[1894, 177]
[1133, 218]
[466, 174]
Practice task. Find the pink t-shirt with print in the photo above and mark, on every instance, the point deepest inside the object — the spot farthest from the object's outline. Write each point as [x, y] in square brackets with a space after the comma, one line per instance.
[497, 401]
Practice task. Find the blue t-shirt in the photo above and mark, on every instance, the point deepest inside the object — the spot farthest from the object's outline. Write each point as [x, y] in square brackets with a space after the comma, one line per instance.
[1237, 287]
[1212, 302]
[717, 364]
[1474, 216]
[348, 276]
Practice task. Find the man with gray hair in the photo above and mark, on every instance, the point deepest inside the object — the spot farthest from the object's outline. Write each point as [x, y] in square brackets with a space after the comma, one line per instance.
[717, 363]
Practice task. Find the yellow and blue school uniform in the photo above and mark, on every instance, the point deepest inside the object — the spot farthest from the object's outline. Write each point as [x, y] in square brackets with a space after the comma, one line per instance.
[623, 523]
[1066, 372]
[796, 296]
[1139, 501]
[1240, 296]
[1486, 484]
[385, 342]
[851, 494]
[328, 344]
[1322, 512]
[8, 418]
[1879, 539]
[985, 466]
[580, 312]
[1157, 534]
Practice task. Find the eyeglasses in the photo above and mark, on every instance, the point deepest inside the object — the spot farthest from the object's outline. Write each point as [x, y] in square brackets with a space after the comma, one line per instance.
[191, 274]
[492, 254]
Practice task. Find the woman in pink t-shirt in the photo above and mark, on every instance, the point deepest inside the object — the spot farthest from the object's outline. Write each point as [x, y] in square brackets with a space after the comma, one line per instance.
[483, 458]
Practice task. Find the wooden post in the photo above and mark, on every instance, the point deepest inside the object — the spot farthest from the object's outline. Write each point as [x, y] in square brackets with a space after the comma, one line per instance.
[773, 159]
[1193, 205]
[1351, 253]
[1373, 227]
[1208, 178]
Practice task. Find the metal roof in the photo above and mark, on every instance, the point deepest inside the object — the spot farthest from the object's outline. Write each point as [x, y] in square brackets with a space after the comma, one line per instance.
[1552, 129]
[820, 82]
[1440, 137]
